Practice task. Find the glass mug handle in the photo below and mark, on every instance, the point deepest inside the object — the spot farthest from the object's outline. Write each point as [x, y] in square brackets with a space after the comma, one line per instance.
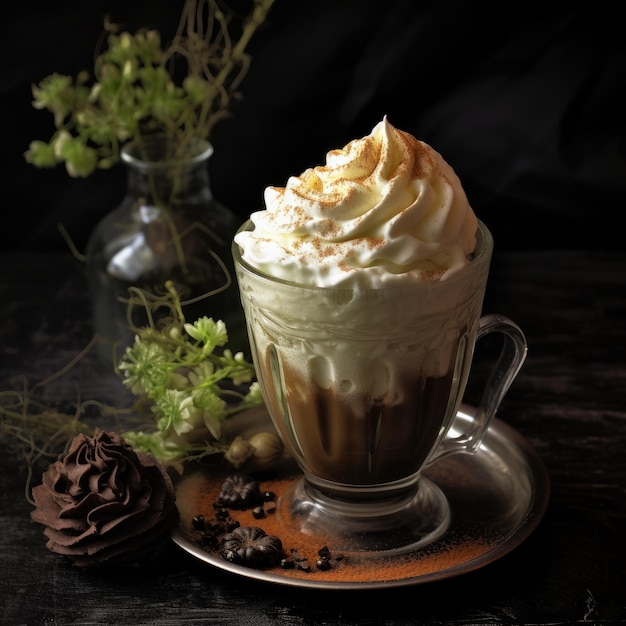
[511, 359]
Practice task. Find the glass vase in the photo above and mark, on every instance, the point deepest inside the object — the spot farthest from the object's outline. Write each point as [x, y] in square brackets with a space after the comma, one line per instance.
[168, 227]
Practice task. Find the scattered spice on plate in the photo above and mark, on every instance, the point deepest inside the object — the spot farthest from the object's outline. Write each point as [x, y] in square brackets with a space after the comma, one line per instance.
[313, 557]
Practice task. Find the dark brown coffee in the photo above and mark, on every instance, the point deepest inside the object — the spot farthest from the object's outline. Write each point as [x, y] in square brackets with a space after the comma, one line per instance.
[353, 439]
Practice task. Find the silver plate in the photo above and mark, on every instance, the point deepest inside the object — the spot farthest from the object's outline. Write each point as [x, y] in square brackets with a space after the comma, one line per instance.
[497, 498]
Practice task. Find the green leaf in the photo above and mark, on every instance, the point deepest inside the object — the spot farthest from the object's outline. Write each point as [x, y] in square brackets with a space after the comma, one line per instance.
[80, 160]
[40, 154]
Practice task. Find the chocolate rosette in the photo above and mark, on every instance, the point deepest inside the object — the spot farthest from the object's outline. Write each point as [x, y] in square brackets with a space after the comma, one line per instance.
[102, 503]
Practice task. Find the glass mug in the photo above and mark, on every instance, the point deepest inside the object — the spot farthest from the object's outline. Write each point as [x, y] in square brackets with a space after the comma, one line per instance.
[363, 387]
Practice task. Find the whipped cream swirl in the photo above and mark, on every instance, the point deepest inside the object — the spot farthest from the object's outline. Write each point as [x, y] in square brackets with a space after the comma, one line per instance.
[384, 209]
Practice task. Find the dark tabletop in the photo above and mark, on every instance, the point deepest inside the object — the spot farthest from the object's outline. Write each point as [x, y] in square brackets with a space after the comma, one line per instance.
[569, 403]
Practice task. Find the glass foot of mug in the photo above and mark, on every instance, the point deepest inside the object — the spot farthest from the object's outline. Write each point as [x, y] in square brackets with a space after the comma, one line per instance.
[376, 528]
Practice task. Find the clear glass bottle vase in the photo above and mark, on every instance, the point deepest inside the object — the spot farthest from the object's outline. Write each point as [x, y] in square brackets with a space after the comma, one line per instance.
[168, 227]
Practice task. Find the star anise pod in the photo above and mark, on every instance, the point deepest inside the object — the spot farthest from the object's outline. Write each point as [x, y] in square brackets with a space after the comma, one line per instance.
[239, 492]
[251, 546]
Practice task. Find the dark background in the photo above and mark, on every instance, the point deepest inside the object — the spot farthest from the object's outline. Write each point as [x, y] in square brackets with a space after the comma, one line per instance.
[525, 101]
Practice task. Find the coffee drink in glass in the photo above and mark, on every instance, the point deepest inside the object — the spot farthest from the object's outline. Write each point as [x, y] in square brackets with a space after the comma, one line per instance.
[363, 309]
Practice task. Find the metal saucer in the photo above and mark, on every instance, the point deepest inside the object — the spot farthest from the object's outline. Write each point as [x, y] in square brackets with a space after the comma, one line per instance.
[497, 498]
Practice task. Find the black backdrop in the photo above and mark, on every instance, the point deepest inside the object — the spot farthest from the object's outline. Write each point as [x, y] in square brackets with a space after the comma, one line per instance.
[526, 102]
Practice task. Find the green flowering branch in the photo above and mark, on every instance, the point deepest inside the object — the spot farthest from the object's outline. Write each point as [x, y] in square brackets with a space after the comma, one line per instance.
[188, 383]
[134, 90]
[193, 385]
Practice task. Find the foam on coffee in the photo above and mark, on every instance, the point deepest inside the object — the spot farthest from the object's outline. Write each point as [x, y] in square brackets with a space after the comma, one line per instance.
[362, 306]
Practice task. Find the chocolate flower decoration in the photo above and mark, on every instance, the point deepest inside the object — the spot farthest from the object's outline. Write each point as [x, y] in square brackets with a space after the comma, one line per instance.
[252, 546]
[103, 503]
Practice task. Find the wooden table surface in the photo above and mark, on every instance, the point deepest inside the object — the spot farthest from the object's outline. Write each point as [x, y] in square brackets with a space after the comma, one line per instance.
[569, 402]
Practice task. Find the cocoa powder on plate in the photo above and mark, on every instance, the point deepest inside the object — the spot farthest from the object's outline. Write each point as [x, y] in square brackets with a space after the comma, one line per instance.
[197, 493]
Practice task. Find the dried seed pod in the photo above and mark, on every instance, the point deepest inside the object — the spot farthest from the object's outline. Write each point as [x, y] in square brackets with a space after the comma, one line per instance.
[267, 448]
[239, 452]
[251, 546]
[239, 492]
